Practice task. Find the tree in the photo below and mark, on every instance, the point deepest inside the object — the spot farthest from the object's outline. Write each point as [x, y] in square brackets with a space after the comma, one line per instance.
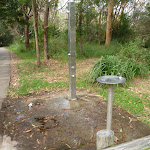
[27, 16]
[46, 54]
[35, 21]
[10, 16]
[80, 23]
[109, 19]
[25, 5]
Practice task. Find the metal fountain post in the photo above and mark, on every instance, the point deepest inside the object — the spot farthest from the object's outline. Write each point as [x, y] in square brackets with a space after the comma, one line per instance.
[109, 106]
[72, 50]
[105, 138]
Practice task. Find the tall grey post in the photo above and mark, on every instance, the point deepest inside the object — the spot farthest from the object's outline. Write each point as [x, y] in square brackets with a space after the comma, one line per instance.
[72, 50]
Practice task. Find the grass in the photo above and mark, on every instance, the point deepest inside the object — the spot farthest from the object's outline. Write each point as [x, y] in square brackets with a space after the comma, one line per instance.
[94, 50]
[22, 53]
[30, 80]
[124, 98]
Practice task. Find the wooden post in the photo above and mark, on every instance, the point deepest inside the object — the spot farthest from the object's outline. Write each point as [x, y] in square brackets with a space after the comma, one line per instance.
[104, 138]
[138, 144]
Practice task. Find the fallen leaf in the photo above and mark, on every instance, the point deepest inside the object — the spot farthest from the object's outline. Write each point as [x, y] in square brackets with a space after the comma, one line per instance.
[68, 146]
[79, 142]
[34, 126]
[131, 127]
[38, 141]
[28, 131]
[31, 135]
[44, 139]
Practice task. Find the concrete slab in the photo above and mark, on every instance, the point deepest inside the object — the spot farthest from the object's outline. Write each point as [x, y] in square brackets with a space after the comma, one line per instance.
[4, 73]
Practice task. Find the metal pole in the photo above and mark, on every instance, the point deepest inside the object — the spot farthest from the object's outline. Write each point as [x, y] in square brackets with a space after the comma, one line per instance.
[72, 50]
[109, 106]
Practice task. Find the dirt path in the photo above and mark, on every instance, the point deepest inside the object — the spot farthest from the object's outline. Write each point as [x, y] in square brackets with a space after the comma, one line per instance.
[54, 122]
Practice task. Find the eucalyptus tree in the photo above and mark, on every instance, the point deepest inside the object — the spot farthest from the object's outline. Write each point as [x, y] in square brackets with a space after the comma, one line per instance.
[141, 22]
[26, 8]
[49, 4]
[101, 9]
[80, 28]
[35, 21]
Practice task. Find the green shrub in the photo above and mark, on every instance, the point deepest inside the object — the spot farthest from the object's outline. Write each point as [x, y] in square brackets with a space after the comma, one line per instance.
[121, 29]
[135, 50]
[6, 36]
[147, 58]
[112, 65]
[58, 48]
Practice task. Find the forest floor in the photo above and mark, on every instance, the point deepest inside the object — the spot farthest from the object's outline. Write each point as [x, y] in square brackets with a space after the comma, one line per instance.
[48, 120]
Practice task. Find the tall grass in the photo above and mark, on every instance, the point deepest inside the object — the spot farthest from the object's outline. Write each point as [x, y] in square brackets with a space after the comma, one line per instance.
[112, 65]
[94, 50]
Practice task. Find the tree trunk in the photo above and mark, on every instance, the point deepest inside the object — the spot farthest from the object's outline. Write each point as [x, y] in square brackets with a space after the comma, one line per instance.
[26, 32]
[87, 23]
[109, 18]
[99, 29]
[46, 51]
[80, 25]
[35, 21]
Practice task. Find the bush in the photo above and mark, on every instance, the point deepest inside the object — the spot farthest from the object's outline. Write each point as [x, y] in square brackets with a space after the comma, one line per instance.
[121, 30]
[6, 36]
[147, 58]
[58, 48]
[135, 50]
[112, 65]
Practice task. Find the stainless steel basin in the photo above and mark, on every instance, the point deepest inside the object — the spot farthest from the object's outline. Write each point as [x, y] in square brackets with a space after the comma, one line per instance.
[111, 79]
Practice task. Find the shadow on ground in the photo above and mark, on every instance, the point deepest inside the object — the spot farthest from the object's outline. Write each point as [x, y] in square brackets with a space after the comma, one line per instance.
[53, 122]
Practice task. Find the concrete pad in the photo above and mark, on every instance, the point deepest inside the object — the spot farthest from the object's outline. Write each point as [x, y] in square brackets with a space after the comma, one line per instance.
[4, 73]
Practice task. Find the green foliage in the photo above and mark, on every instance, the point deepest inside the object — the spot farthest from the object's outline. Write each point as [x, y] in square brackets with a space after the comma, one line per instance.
[94, 50]
[10, 12]
[132, 60]
[147, 58]
[135, 50]
[112, 65]
[141, 22]
[30, 83]
[122, 31]
[21, 52]
[58, 48]
[6, 36]
[127, 100]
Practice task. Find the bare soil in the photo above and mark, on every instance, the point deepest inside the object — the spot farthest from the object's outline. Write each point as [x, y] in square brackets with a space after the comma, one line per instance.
[50, 121]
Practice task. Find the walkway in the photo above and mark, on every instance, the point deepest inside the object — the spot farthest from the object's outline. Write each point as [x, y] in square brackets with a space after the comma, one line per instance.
[4, 73]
